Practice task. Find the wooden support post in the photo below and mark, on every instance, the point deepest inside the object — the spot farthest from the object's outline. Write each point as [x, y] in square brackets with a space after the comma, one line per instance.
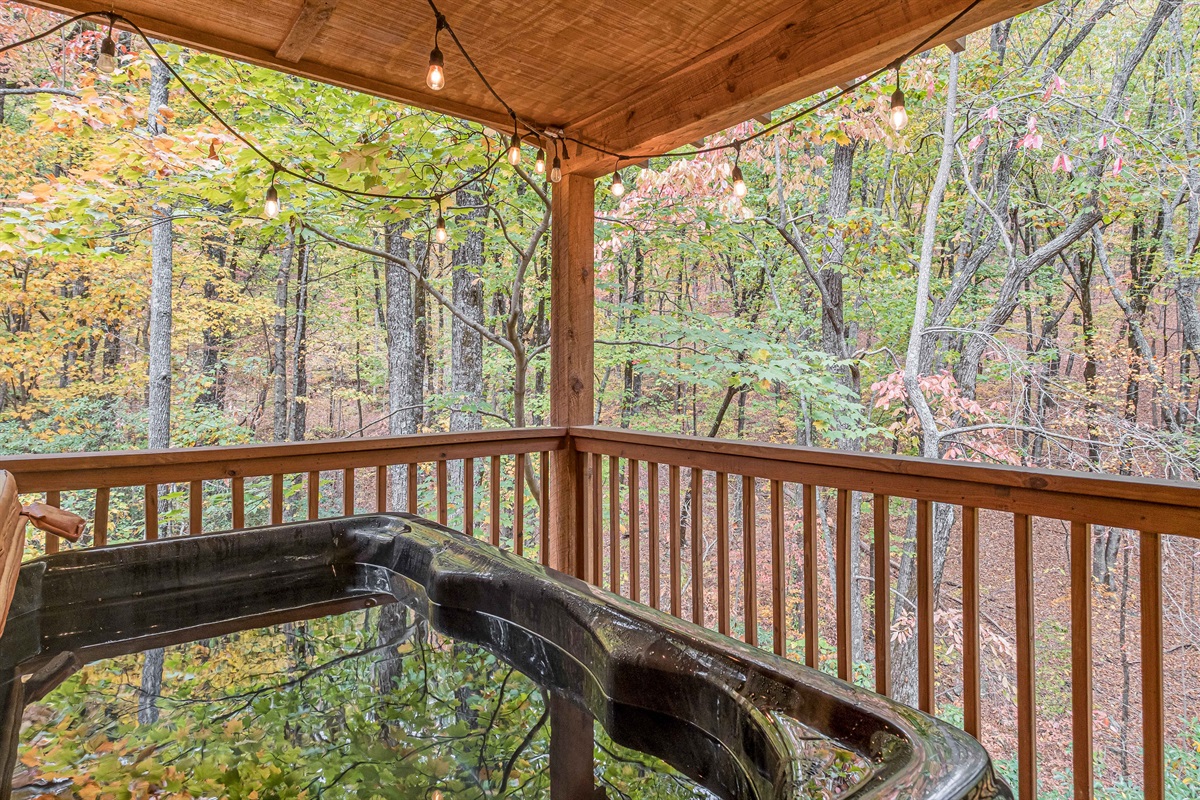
[572, 379]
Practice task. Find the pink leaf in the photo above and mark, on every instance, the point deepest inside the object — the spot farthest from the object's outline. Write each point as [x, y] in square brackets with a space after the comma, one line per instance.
[973, 145]
[1118, 165]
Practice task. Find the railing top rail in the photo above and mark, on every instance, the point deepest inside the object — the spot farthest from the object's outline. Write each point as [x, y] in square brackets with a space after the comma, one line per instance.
[64, 472]
[1150, 504]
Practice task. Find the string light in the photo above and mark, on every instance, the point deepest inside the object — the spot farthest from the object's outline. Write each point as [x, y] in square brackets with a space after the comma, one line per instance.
[555, 166]
[271, 200]
[539, 166]
[739, 183]
[107, 62]
[618, 185]
[514, 149]
[441, 234]
[899, 116]
[435, 78]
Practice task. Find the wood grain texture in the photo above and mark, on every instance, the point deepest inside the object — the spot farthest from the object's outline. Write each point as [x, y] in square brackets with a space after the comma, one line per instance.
[1169, 507]
[1081, 661]
[653, 552]
[237, 491]
[778, 572]
[12, 543]
[572, 357]
[723, 577]
[494, 498]
[381, 489]
[309, 22]
[412, 505]
[883, 595]
[519, 503]
[811, 604]
[972, 663]
[749, 560]
[442, 478]
[468, 512]
[348, 492]
[1153, 712]
[626, 75]
[543, 509]
[925, 652]
[697, 546]
[614, 525]
[195, 507]
[276, 499]
[150, 497]
[1026, 660]
[842, 544]
[314, 494]
[675, 536]
[635, 531]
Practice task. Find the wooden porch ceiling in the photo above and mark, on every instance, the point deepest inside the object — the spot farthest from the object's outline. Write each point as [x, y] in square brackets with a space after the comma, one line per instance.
[629, 75]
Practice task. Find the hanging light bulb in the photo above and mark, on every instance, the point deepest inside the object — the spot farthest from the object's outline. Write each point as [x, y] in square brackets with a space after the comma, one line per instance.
[271, 200]
[107, 62]
[436, 77]
[739, 183]
[899, 116]
[441, 234]
[539, 166]
[555, 170]
[618, 185]
[514, 149]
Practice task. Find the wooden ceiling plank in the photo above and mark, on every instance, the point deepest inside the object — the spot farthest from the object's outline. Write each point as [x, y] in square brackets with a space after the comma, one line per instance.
[309, 22]
[191, 37]
[809, 48]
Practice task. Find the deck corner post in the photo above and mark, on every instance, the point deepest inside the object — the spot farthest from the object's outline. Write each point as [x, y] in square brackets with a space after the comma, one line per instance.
[572, 374]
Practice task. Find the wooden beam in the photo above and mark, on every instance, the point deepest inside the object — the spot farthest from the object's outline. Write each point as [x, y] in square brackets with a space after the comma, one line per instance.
[765, 119]
[958, 45]
[309, 22]
[800, 51]
[572, 378]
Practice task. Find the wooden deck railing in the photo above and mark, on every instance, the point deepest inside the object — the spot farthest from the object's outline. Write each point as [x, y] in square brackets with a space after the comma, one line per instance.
[700, 472]
[651, 498]
[498, 460]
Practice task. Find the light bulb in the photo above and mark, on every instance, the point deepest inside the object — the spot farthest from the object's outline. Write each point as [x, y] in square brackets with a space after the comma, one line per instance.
[555, 170]
[436, 77]
[899, 116]
[618, 185]
[514, 150]
[441, 234]
[739, 184]
[271, 202]
[107, 62]
[539, 166]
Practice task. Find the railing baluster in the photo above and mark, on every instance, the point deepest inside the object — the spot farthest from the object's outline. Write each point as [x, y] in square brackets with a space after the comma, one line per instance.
[883, 595]
[652, 533]
[195, 507]
[1026, 666]
[597, 519]
[844, 585]
[1081, 659]
[972, 710]
[674, 536]
[778, 572]
[697, 546]
[722, 489]
[314, 494]
[468, 514]
[519, 504]
[348, 492]
[54, 498]
[150, 499]
[494, 498]
[381, 489]
[811, 609]
[237, 491]
[100, 526]
[414, 481]
[614, 525]
[925, 606]
[635, 532]
[443, 513]
[749, 561]
[1153, 717]
[544, 509]
[276, 499]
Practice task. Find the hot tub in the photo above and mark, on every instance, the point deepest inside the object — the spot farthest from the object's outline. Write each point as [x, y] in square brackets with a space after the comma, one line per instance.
[610, 681]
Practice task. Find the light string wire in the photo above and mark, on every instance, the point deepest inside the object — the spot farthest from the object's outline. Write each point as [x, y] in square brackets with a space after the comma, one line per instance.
[276, 166]
[542, 132]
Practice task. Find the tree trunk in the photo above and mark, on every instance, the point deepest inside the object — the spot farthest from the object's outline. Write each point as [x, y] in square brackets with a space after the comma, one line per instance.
[298, 416]
[406, 390]
[279, 359]
[466, 346]
[158, 403]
